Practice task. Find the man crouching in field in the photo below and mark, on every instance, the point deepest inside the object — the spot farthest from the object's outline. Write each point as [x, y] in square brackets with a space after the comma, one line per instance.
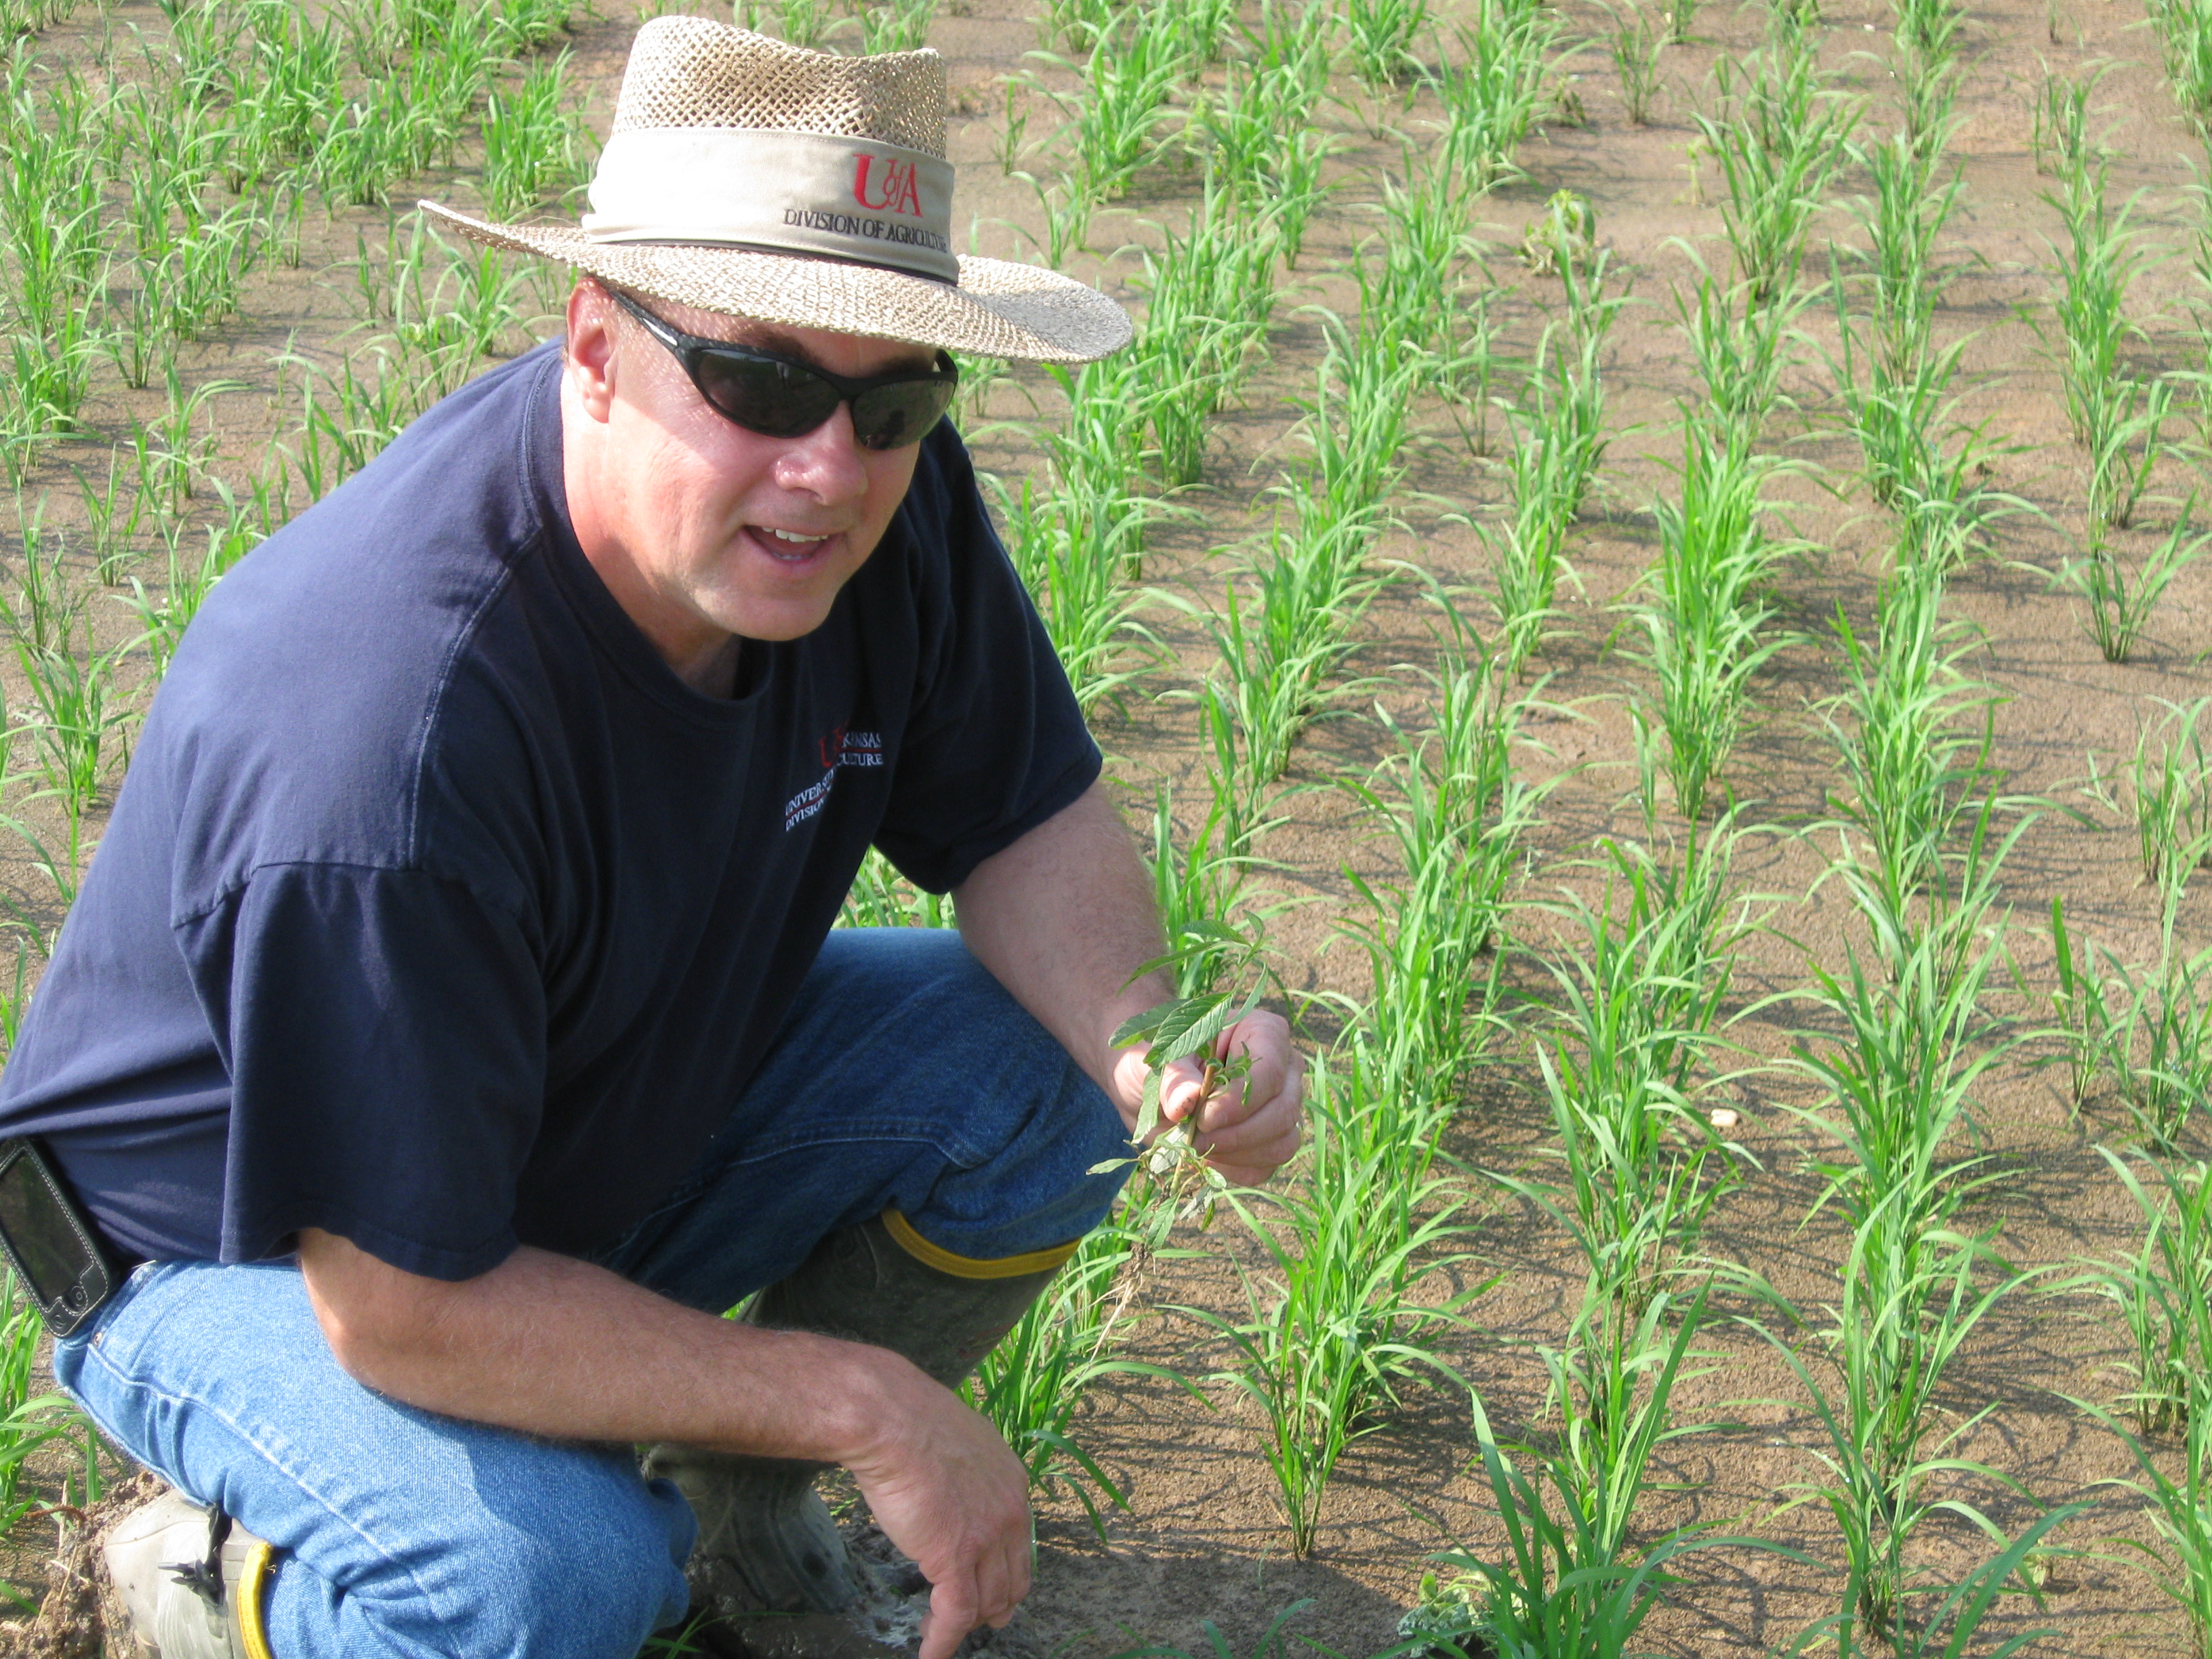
[451, 1027]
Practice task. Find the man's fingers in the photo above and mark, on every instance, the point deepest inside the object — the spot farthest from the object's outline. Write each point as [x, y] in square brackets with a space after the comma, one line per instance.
[1182, 1084]
[951, 1615]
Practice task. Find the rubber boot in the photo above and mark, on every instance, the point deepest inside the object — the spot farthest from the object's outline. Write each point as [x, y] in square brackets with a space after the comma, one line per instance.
[192, 1584]
[768, 1544]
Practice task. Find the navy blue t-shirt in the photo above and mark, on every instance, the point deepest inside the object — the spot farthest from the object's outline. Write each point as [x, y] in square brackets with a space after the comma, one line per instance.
[436, 912]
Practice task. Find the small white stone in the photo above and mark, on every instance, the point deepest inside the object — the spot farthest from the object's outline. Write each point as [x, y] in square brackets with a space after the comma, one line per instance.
[1723, 1118]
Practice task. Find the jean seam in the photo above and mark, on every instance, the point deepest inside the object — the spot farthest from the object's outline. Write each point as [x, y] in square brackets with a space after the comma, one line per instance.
[252, 1443]
[951, 1147]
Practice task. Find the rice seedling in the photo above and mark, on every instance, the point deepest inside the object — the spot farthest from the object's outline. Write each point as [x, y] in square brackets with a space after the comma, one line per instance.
[1779, 137]
[1313, 582]
[1570, 1580]
[53, 261]
[76, 712]
[2120, 598]
[1031, 1384]
[899, 26]
[111, 520]
[1199, 889]
[2159, 1043]
[2178, 1503]
[1329, 1339]
[2185, 33]
[2110, 410]
[1381, 35]
[164, 616]
[29, 16]
[1635, 41]
[2170, 797]
[1915, 738]
[1562, 440]
[1886, 1463]
[1075, 541]
[1211, 295]
[32, 1421]
[2163, 1289]
[1115, 119]
[534, 141]
[1492, 95]
[2059, 121]
[1528, 551]
[1928, 30]
[1457, 814]
[1417, 293]
[1703, 623]
[1638, 993]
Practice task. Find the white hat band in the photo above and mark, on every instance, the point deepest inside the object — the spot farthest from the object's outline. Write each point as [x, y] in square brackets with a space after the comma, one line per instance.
[791, 193]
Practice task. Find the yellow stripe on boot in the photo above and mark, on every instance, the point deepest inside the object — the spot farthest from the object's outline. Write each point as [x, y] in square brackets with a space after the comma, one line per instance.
[968, 1267]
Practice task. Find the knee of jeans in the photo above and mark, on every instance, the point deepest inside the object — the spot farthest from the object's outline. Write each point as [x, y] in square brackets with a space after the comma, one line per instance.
[550, 1580]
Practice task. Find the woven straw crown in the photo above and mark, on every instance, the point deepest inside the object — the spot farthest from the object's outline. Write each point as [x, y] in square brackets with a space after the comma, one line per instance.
[689, 72]
[768, 211]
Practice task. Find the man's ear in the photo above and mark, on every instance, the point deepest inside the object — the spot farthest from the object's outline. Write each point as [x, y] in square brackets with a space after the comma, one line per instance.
[591, 348]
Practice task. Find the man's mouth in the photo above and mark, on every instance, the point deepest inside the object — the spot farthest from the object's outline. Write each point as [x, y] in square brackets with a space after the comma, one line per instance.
[788, 546]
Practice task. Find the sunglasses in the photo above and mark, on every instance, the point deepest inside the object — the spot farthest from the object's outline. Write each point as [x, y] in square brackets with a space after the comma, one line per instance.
[783, 397]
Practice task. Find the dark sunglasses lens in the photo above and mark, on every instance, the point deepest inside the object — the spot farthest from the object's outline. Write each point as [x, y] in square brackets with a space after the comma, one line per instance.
[886, 417]
[772, 398]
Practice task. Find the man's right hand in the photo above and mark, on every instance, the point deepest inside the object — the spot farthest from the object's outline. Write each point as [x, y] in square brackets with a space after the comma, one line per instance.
[551, 1345]
[946, 1489]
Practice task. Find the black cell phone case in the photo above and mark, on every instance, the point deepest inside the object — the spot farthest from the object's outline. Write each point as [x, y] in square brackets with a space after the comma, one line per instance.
[72, 1266]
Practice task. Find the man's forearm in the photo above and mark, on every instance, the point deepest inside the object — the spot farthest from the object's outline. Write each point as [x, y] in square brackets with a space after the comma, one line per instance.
[1062, 918]
[555, 1346]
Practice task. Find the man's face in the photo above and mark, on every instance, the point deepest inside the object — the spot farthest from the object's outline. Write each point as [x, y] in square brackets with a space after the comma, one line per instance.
[705, 530]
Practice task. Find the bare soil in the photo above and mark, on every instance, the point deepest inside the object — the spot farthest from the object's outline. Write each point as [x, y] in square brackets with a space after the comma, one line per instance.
[1203, 1537]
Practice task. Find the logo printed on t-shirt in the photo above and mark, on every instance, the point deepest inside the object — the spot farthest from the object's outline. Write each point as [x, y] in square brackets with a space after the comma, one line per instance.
[840, 746]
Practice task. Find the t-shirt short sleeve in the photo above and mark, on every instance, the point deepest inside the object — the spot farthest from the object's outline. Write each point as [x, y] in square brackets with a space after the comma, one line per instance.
[996, 744]
[383, 1033]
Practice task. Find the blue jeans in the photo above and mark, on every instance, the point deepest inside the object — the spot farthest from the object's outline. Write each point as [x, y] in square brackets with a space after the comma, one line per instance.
[905, 1077]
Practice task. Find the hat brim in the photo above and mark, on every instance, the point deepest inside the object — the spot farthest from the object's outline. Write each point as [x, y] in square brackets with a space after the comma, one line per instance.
[998, 309]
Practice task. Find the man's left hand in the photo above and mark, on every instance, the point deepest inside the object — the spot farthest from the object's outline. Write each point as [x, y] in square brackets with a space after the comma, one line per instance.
[1249, 1128]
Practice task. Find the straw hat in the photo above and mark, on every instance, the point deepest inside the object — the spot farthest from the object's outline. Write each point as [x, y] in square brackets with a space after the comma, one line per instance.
[752, 178]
